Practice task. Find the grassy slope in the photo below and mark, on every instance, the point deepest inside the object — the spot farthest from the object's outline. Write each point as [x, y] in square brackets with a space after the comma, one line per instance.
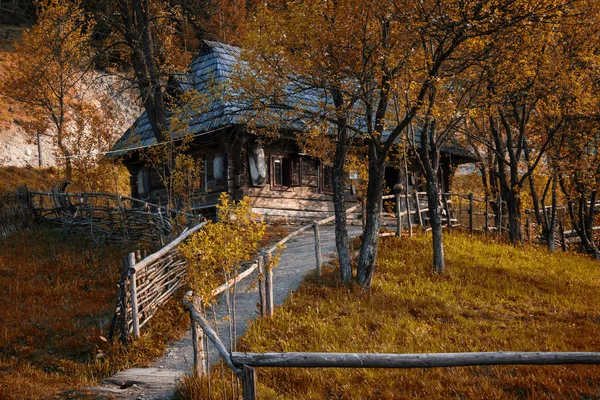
[58, 298]
[493, 297]
[33, 178]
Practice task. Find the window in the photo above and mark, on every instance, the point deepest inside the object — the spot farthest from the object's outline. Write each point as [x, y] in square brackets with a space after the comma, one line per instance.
[197, 177]
[143, 182]
[286, 171]
[327, 178]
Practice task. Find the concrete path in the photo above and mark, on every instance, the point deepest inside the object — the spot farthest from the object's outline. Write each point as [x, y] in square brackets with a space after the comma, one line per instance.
[158, 382]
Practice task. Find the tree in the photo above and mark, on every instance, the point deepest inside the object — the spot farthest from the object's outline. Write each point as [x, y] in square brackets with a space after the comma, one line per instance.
[373, 65]
[53, 60]
[533, 88]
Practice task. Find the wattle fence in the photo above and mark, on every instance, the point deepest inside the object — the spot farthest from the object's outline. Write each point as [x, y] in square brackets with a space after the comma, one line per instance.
[15, 211]
[146, 283]
[111, 218]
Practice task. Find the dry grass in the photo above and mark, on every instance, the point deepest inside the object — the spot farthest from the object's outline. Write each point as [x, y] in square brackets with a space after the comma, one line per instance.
[493, 297]
[33, 178]
[58, 298]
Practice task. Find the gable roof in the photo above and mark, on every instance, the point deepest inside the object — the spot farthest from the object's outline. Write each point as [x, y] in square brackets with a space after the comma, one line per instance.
[213, 66]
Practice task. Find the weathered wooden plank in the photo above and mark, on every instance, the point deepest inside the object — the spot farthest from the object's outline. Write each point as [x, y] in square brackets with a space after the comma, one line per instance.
[249, 383]
[155, 256]
[425, 360]
[317, 249]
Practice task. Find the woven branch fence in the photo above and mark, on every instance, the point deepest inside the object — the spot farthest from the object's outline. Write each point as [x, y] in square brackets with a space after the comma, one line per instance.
[146, 283]
[111, 218]
[15, 211]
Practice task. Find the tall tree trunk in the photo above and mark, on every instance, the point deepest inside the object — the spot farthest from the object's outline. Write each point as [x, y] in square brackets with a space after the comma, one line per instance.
[368, 250]
[430, 160]
[135, 15]
[433, 201]
[339, 206]
[513, 209]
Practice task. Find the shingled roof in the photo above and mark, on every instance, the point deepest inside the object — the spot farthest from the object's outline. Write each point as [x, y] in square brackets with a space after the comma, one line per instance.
[212, 67]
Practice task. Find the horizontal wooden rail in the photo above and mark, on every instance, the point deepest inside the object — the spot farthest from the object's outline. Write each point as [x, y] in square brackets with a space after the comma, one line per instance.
[155, 256]
[426, 360]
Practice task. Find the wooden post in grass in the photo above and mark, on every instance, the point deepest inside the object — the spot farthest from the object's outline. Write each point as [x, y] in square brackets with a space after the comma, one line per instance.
[459, 214]
[563, 241]
[198, 346]
[471, 213]
[261, 285]
[398, 216]
[269, 284]
[487, 216]
[528, 225]
[408, 213]
[249, 383]
[447, 207]
[133, 289]
[499, 222]
[317, 249]
[123, 325]
[416, 194]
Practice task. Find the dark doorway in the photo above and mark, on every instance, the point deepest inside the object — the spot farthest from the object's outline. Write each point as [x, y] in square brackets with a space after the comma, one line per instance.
[392, 176]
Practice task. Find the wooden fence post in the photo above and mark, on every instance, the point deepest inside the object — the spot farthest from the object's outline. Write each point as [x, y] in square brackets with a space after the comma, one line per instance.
[487, 216]
[459, 214]
[471, 213]
[528, 226]
[261, 285]
[269, 285]
[447, 207]
[317, 249]
[408, 213]
[499, 221]
[398, 216]
[133, 288]
[249, 383]
[198, 345]
[124, 336]
[416, 194]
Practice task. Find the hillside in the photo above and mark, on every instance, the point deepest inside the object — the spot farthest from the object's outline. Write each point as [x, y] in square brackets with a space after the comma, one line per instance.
[18, 147]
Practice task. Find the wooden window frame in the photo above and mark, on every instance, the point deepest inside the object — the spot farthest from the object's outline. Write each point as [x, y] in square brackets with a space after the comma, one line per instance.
[291, 161]
[200, 165]
[325, 169]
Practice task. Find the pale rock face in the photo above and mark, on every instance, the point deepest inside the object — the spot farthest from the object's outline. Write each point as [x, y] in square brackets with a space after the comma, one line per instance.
[19, 148]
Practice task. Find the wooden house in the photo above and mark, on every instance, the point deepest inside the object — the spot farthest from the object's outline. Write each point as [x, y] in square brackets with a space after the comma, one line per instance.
[280, 180]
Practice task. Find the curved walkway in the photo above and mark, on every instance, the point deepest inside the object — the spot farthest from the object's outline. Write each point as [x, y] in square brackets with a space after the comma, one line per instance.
[158, 382]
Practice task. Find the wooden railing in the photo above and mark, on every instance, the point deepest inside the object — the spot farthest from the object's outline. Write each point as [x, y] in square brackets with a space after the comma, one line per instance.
[147, 283]
[409, 210]
[265, 288]
[412, 210]
[109, 217]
